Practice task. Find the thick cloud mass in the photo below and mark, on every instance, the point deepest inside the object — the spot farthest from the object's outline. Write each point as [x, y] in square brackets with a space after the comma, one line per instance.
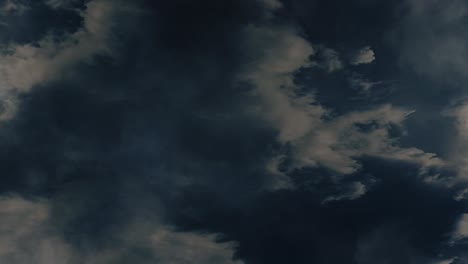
[233, 131]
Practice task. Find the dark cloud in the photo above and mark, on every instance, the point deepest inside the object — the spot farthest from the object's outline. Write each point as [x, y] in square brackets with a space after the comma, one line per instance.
[191, 132]
[399, 220]
[28, 21]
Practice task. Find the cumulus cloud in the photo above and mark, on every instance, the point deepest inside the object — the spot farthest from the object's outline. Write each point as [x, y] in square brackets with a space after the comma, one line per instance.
[363, 56]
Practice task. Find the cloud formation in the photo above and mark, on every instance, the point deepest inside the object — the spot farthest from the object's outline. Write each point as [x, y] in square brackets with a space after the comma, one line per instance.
[336, 143]
[27, 235]
[225, 132]
[363, 56]
[24, 66]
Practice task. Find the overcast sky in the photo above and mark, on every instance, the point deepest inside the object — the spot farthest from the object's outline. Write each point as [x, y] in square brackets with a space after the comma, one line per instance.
[234, 131]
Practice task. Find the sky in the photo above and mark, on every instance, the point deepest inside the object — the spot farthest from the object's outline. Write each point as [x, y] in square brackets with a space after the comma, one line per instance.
[233, 132]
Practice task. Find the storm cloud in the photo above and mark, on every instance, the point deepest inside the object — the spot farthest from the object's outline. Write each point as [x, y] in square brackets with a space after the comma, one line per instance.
[220, 132]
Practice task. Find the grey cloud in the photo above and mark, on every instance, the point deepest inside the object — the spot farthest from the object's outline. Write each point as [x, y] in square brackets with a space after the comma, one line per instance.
[431, 40]
[185, 248]
[338, 143]
[301, 121]
[387, 245]
[364, 85]
[363, 56]
[459, 146]
[161, 152]
[328, 59]
[27, 234]
[25, 66]
[279, 53]
[355, 190]
[461, 229]
[16, 6]
[271, 5]
[61, 3]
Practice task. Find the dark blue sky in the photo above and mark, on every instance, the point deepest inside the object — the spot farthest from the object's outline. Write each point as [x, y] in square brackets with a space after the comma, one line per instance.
[235, 131]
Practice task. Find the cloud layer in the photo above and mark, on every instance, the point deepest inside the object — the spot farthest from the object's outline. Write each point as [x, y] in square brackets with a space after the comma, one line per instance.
[232, 132]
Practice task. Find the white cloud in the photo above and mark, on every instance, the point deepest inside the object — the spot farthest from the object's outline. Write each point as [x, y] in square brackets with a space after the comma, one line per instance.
[363, 56]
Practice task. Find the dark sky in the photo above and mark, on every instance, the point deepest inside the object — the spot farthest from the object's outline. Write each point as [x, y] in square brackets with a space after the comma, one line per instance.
[233, 131]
